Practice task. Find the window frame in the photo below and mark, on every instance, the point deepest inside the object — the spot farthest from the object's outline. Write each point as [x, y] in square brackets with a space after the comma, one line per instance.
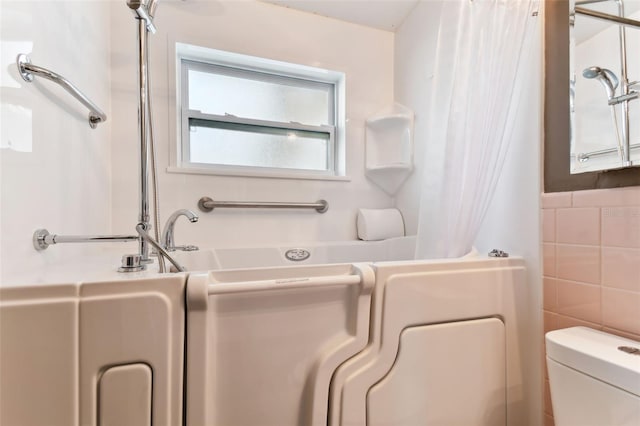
[190, 57]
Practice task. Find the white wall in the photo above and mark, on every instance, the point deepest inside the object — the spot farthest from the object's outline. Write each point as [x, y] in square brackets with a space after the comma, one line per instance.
[414, 61]
[512, 221]
[253, 28]
[55, 170]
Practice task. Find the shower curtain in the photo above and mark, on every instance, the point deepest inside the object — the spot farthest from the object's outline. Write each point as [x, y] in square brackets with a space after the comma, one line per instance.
[475, 95]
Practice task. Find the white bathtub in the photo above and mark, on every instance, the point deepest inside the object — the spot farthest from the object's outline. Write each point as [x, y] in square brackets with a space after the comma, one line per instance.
[249, 337]
[319, 253]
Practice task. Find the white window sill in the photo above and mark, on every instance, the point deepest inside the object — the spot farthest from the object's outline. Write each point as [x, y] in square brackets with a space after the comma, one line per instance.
[256, 174]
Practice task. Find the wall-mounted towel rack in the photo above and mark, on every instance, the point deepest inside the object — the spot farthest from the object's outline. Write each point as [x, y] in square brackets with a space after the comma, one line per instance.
[206, 204]
[28, 70]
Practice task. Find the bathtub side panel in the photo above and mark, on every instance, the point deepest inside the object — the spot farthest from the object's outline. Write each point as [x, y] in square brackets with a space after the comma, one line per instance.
[266, 356]
[425, 293]
[452, 373]
[139, 324]
[39, 356]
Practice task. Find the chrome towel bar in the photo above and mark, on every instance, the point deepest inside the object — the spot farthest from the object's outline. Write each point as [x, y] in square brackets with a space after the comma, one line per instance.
[28, 70]
[206, 204]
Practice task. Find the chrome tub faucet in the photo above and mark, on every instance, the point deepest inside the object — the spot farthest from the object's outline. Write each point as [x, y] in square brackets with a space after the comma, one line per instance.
[168, 239]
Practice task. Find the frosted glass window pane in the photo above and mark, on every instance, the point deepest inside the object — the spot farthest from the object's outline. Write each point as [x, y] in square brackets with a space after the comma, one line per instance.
[252, 95]
[257, 146]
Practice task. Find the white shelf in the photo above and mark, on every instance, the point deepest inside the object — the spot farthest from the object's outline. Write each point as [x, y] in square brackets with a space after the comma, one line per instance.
[389, 147]
[389, 177]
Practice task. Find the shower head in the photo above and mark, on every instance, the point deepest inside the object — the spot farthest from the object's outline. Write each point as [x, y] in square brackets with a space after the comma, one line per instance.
[143, 12]
[150, 5]
[605, 76]
[134, 4]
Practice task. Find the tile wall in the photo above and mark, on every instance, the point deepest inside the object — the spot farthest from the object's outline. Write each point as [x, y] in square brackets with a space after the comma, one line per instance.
[591, 252]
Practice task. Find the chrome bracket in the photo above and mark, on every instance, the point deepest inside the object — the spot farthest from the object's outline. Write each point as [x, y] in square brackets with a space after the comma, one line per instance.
[26, 75]
[132, 263]
[94, 120]
[39, 239]
[498, 253]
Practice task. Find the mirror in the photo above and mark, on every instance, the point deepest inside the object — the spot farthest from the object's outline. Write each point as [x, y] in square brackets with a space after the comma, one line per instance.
[604, 88]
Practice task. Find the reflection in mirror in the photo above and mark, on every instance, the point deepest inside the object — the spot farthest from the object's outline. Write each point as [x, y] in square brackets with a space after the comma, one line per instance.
[604, 85]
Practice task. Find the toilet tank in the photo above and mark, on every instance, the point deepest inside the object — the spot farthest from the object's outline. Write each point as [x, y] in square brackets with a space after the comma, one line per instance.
[594, 378]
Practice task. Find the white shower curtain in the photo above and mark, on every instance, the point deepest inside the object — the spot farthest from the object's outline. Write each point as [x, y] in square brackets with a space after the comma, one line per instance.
[475, 95]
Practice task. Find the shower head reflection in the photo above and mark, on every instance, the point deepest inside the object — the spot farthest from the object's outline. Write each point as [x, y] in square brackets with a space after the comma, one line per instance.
[605, 76]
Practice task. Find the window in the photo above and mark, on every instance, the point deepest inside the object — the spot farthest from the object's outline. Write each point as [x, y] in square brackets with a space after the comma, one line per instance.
[245, 115]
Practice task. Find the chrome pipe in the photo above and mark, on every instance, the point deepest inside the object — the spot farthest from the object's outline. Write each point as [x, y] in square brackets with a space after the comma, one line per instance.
[143, 125]
[28, 70]
[206, 204]
[608, 17]
[586, 155]
[626, 138]
[42, 239]
[585, 2]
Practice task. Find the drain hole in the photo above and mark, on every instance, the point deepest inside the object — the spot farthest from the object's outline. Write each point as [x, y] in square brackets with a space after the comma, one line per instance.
[297, 254]
[629, 349]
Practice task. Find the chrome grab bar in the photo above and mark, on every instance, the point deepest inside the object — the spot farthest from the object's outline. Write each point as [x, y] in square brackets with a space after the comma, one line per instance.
[282, 284]
[27, 71]
[586, 155]
[206, 204]
[626, 22]
[43, 239]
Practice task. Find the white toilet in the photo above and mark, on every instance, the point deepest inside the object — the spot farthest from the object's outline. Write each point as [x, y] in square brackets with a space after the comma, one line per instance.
[594, 378]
